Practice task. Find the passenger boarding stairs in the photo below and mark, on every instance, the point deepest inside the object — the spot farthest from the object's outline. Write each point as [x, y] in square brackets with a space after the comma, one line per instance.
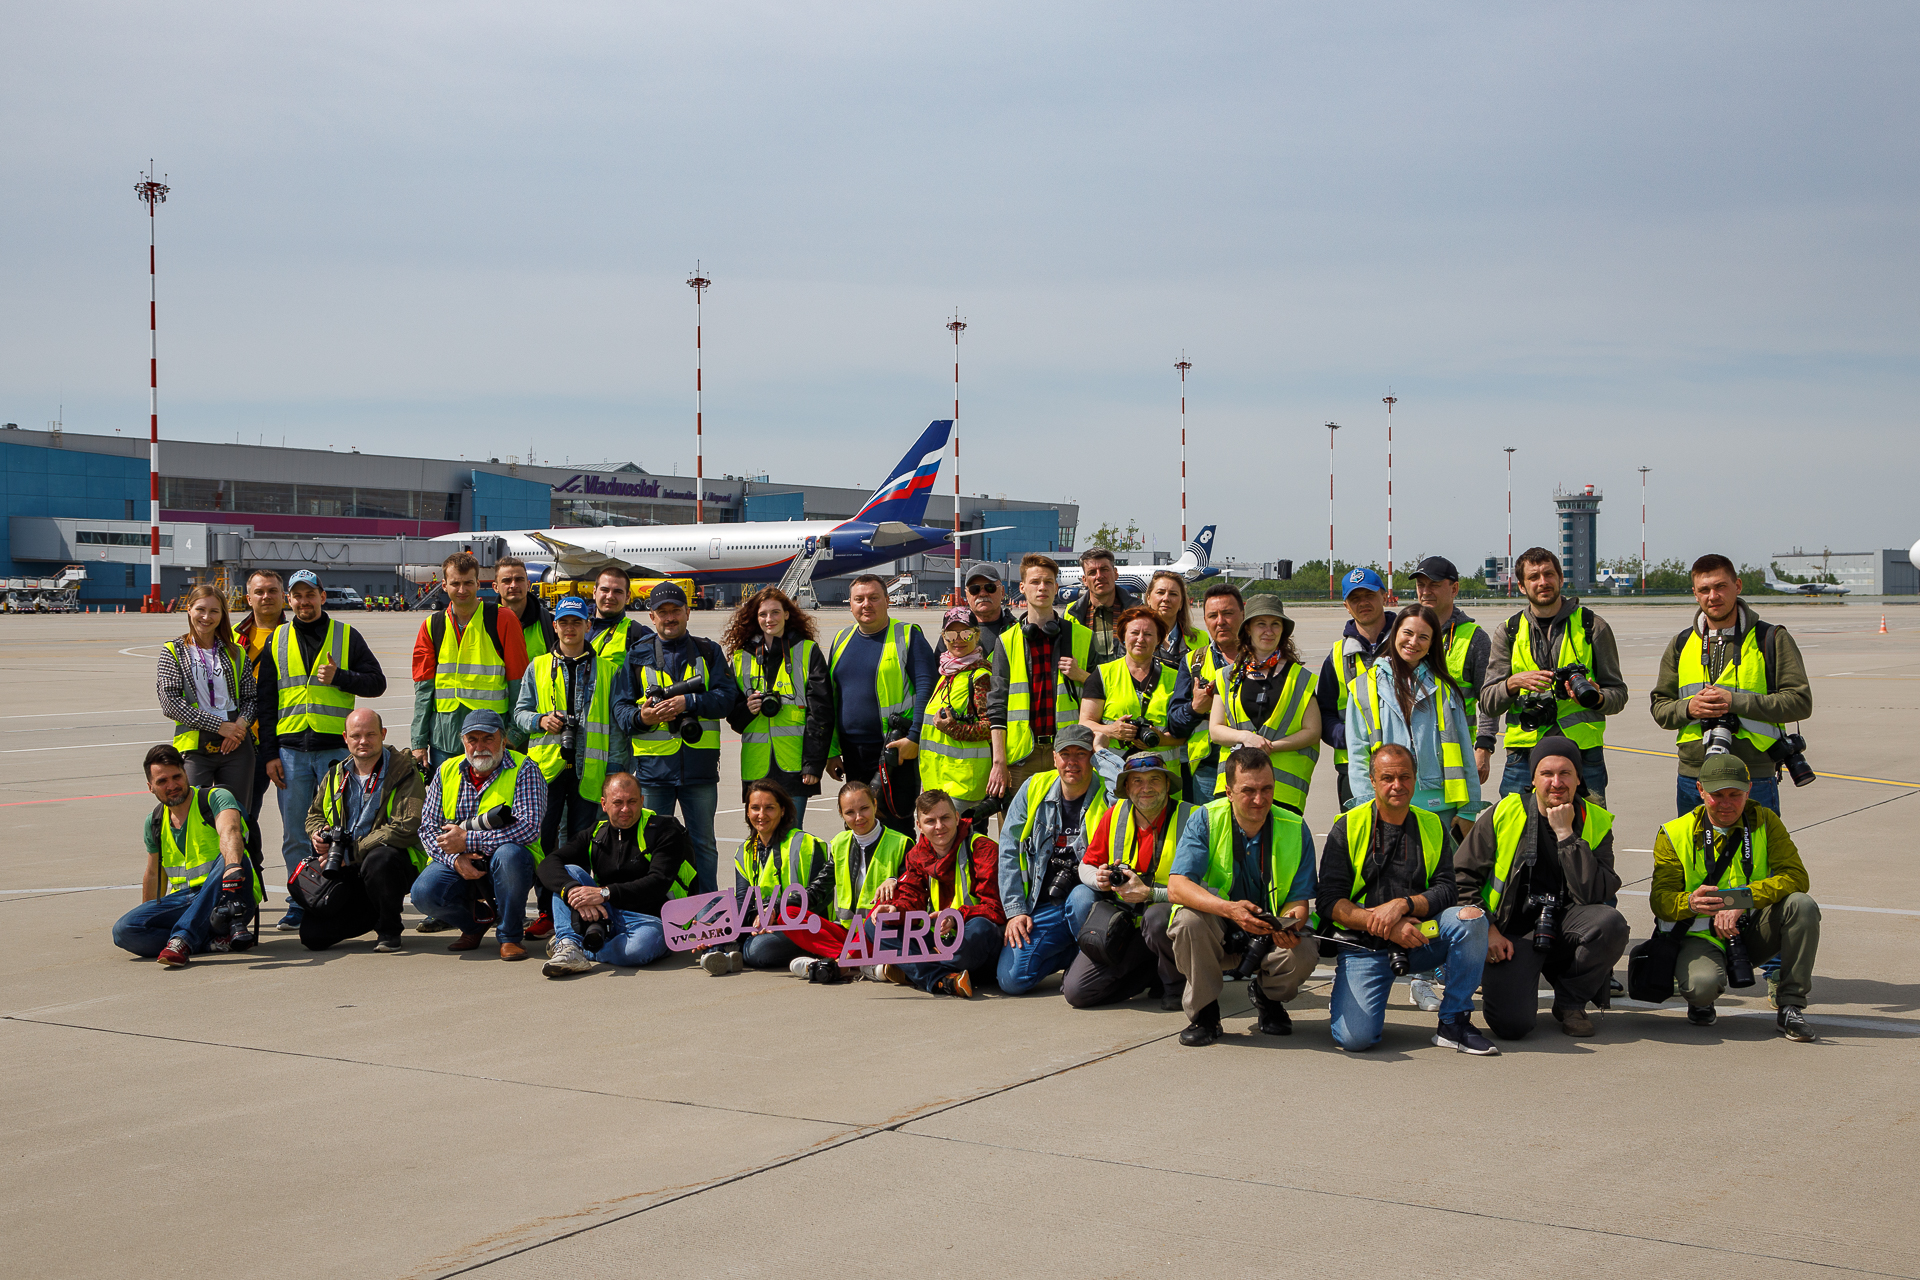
[797, 582]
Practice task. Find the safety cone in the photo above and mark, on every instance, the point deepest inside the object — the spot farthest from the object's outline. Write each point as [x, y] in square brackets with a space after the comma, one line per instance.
[1883, 624]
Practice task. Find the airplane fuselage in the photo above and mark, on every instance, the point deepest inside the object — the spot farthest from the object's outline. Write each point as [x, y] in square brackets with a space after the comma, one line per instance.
[757, 551]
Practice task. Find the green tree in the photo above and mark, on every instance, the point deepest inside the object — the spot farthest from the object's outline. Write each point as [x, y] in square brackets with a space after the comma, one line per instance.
[1113, 539]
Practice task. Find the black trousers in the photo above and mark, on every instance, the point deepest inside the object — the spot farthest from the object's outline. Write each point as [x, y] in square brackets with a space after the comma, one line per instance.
[862, 764]
[1591, 940]
[568, 814]
[1088, 984]
[368, 900]
[261, 785]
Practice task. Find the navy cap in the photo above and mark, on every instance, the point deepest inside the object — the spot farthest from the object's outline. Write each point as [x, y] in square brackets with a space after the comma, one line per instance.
[483, 722]
[1361, 580]
[666, 593]
[573, 607]
[1438, 568]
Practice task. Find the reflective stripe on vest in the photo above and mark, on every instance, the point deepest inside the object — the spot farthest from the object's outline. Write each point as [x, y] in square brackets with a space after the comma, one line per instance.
[1045, 786]
[593, 741]
[612, 642]
[186, 737]
[1453, 762]
[1204, 666]
[1458, 642]
[1747, 673]
[469, 670]
[188, 859]
[1283, 852]
[794, 865]
[1121, 837]
[1344, 667]
[1124, 700]
[1689, 837]
[890, 687]
[1359, 820]
[1586, 728]
[661, 740]
[888, 856]
[774, 742]
[306, 705]
[498, 791]
[1292, 770]
[947, 763]
[962, 880]
[1510, 821]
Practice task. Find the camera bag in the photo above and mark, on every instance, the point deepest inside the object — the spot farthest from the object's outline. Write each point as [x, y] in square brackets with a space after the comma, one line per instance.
[1108, 934]
[1651, 965]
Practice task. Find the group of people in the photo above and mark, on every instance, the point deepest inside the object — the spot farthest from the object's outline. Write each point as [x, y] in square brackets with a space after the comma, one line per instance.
[1149, 779]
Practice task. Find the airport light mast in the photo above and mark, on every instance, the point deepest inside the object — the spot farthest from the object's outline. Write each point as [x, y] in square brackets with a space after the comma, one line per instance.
[1643, 529]
[1183, 364]
[1509, 449]
[1390, 401]
[956, 327]
[1332, 572]
[699, 284]
[153, 194]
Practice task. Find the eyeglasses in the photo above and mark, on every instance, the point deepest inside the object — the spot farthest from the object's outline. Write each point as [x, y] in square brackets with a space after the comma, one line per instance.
[982, 588]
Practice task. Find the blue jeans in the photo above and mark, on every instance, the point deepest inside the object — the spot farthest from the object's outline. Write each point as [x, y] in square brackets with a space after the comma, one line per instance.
[697, 803]
[1765, 792]
[1515, 777]
[442, 893]
[639, 939]
[979, 950]
[1362, 979]
[1050, 948]
[303, 771]
[769, 951]
[1079, 907]
[147, 928]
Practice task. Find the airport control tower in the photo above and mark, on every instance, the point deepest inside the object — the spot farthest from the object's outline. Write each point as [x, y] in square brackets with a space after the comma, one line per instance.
[1579, 511]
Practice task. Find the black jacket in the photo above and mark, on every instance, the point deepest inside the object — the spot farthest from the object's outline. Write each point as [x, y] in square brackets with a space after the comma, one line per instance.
[1396, 869]
[638, 881]
[1586, 875]
[361, 677]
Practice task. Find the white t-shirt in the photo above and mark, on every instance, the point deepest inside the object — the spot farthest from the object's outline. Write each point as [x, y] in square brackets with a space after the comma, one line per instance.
[209, 686]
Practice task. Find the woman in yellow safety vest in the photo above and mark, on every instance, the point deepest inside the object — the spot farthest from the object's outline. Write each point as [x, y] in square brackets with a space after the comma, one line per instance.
[1265, 701]
[776, 657]
[959, 753]
[1167, 597]
[1136, 686]
[775, 855]
[1411, 699]
[205, 688]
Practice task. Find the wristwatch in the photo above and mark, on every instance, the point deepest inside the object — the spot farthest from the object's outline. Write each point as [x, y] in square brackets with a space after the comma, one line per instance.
[606, 895]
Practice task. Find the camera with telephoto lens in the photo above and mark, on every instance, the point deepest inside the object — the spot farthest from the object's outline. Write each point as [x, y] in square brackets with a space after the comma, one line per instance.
[688, 725]
[480, 890]
[341, 847]
[1546, 932]
[985, 807]
[1145, 735]
[1719, 734]
[1739, 959]
[1539, 708]
[232, 912]
[595, 934]
[1790, 753]
[898, 725]
[1063, 868]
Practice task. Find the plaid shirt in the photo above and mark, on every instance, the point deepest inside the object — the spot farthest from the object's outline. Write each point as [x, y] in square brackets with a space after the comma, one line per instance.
[529, 807]
[1043, 675]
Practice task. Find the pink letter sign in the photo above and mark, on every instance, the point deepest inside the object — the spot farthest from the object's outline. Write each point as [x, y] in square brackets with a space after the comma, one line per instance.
[710, 919]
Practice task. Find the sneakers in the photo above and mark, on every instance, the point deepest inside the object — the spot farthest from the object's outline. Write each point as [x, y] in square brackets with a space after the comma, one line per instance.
[1702, 1017]
[1773, 992]
[288, 923]
[715, 962]
[955, 984]
[568, 959]
[1460, 1035]
[1425, 998]
[465, 942]
[389, 945]
[1614, 988]
[221, 944]
[174, 954]
[1204, 1029]
[736, 960]
[1573, 1020]
[1792, 1023]
[541, 925]
[1273, 1020]
[800, 966]
[430, 925]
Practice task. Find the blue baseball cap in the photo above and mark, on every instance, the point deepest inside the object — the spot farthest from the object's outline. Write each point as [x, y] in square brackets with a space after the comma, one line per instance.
[307, 576]
[483, 722]
[1361, 580]
[573, 607]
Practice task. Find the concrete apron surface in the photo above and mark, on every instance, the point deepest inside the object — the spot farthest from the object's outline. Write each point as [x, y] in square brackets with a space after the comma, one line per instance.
[345, 1113]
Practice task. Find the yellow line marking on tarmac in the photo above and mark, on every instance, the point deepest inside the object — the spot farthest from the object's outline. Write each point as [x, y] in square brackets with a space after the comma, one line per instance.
[1844, 777]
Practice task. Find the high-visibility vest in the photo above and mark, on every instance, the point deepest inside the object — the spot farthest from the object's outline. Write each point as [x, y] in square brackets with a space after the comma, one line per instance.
[1039, 788]
[682, 878]
[186, 737]
[593, 740]
[1121, 836]
[1066, 707]
[891, 688]
[1453, 762]
[1510, 821]
[770, 870]
[1691, 838]
[888, 856]
[1359, 820]
[1123, 700]
[1345, 667]
[534, 636]
[1204, 666]
[334, 812]
[770, 742]
[962, 878]
[1292, 770]
[947, 763]
[1283, 852]
[1459, 640]
[613, 642]
[469, 670]
[1747, 673]
[1588, 729]
[306, 705]
[661, 740]
[186, 860]
[499, 790]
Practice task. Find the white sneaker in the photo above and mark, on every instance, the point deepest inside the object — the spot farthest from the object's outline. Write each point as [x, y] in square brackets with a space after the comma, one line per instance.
[568, 958]
[1425, 998]
[799, 965]
[714, 962]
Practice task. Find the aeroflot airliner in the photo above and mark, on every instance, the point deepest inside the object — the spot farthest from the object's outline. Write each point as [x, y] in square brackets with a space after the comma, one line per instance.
[886, 529]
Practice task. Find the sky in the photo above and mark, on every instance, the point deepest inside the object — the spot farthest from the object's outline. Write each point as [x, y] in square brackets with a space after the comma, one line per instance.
[1611, 236]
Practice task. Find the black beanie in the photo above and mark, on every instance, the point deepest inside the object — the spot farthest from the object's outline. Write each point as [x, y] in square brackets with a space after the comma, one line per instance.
[1553, 746]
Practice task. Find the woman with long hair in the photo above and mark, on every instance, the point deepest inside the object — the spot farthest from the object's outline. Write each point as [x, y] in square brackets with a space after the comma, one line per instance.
[960, 753]
[1265, 701]
[1167, 596]
[1408, 697]
[206, 690]
[1135, 686]
[785, 713]
[775, 854]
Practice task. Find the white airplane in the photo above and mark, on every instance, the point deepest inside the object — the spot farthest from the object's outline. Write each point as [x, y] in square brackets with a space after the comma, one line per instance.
[1806, 588]
[1192, 565]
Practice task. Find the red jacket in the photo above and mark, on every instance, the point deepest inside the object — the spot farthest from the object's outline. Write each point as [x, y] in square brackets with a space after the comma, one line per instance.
[983, 888]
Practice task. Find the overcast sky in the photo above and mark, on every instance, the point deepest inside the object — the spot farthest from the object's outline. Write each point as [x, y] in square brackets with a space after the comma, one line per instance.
[1613, 236]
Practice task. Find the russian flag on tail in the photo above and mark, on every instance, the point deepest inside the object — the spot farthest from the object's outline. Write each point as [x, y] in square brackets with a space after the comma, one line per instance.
[903, 494]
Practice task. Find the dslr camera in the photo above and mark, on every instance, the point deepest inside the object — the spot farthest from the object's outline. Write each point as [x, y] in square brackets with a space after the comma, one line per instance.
[1789, 752]
[569, 730]
[898, 725]
[687, 726]
[341, 847]
[1063, 868]
[480, 891]
[771, 703]
[977, 813]
[1546, 932]
[1146, 736]
[1538, 709]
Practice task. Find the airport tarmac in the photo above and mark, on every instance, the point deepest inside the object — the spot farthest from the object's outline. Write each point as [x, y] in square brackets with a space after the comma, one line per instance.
[349, 1114]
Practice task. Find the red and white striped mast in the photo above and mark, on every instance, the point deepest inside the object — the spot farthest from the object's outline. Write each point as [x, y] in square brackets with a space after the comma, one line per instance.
[1643, 529]
[956, 326]
[1509, 449]
[1332, 572]
[1390, 401]
[699, 284]
[153, 193]
[1183, 364]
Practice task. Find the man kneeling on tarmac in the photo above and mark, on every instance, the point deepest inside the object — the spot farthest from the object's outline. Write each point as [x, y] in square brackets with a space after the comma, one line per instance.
[1541, 862]
[1386, 871]
[1131, 856]
[185, 908]
[609, 884]
[373, 797]
[1241, 882]
[1731, 842]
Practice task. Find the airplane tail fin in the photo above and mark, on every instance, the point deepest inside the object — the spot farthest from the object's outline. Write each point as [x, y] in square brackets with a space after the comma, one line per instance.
[903, 495]
[1201, 548]
[1772, 581]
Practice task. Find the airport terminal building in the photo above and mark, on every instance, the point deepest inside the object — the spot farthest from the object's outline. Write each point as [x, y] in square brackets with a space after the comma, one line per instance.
[82, 499]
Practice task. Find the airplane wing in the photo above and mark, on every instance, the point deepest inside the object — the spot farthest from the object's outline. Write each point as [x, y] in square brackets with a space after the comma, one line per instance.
[579, 562]
[974, 533]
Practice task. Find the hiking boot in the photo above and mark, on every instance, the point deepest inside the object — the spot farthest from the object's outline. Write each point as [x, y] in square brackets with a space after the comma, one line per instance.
[1204, 1029]
[541, 925]
[390, 945]
[955, 984]
[1425, 998]
[1792, 1023]
[568, 959]
[1274, 1020]
[1702, 1016]
[1573, 1019]
[174, 954]
[465, 942]
[1461, 1035]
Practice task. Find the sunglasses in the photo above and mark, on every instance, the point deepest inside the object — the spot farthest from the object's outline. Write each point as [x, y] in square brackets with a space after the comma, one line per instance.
[982, 588]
